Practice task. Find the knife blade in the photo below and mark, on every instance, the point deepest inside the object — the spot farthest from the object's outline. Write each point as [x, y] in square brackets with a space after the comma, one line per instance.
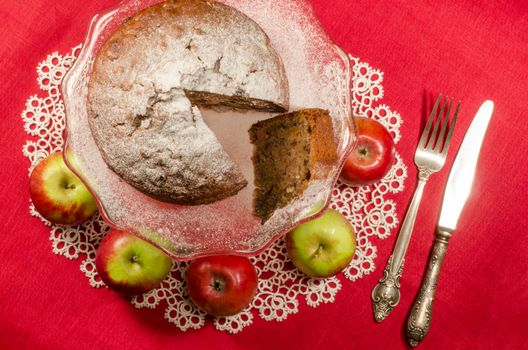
[457, 191]
[462, 173]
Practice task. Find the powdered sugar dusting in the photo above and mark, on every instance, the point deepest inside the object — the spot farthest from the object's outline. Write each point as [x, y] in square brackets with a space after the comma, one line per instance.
[302, 44]
[139, 114]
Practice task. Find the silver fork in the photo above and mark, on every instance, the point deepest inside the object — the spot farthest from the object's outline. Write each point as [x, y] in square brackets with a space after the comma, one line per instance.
[430, 157]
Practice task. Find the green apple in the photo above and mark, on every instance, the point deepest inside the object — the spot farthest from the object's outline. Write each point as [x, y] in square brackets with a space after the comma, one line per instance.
[58, 194]
[130, 265]
[322, 247]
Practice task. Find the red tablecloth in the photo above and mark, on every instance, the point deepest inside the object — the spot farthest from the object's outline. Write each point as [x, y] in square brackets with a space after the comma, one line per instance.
[469, 49]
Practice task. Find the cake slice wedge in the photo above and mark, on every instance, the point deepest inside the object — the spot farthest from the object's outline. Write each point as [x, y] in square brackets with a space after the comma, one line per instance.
[290, 151]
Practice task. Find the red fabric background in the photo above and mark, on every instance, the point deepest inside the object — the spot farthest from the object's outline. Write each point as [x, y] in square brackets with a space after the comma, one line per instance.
[469, 49]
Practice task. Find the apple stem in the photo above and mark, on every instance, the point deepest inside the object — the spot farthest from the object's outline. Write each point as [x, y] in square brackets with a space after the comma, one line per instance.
[318, 250]
[135, 258]
[218, 285]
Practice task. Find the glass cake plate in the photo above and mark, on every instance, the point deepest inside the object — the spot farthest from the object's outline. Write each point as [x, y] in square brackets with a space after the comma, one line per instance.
[319, 76]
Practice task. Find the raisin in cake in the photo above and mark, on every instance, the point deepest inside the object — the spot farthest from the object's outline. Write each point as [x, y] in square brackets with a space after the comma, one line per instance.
[147, 80]
[290, 150]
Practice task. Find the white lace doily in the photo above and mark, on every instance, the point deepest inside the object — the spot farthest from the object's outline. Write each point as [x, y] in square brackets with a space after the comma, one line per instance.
[281, 287]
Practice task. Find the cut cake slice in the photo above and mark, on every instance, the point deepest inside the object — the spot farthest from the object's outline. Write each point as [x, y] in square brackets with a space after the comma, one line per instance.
[289, 151]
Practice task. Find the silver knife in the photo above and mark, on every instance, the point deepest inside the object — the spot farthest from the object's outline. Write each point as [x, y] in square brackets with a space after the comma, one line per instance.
[456, 194]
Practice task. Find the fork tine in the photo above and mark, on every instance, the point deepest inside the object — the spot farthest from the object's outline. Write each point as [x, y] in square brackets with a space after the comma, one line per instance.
[434, 135]
[440, 140]
[425, 132]
[450, 132]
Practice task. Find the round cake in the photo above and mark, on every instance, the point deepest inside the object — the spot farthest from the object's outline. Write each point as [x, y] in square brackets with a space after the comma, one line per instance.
[148, 79]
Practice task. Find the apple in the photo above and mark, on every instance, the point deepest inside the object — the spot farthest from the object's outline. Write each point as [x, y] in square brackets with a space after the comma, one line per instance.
[373, 155]
[58, 194]
[221, 285]
[322, 247]
[129, 264]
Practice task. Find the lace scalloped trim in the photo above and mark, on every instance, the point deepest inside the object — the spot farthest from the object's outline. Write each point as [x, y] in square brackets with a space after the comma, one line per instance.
[281, 287]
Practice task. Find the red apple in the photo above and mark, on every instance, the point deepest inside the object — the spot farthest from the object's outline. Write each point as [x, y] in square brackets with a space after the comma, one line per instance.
[222, 285]
[322, 247]
[58, 194]
[373, 155]
[130, 265]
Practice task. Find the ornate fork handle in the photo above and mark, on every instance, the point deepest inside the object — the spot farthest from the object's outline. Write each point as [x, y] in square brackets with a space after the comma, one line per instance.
[419, 320]
[386, 294]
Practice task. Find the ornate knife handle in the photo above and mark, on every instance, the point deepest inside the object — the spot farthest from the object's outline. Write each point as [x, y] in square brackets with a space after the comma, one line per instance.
[419, 320]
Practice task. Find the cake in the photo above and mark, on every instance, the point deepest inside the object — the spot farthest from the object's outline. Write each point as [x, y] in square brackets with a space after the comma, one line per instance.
[150, 76]
[290, 151]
